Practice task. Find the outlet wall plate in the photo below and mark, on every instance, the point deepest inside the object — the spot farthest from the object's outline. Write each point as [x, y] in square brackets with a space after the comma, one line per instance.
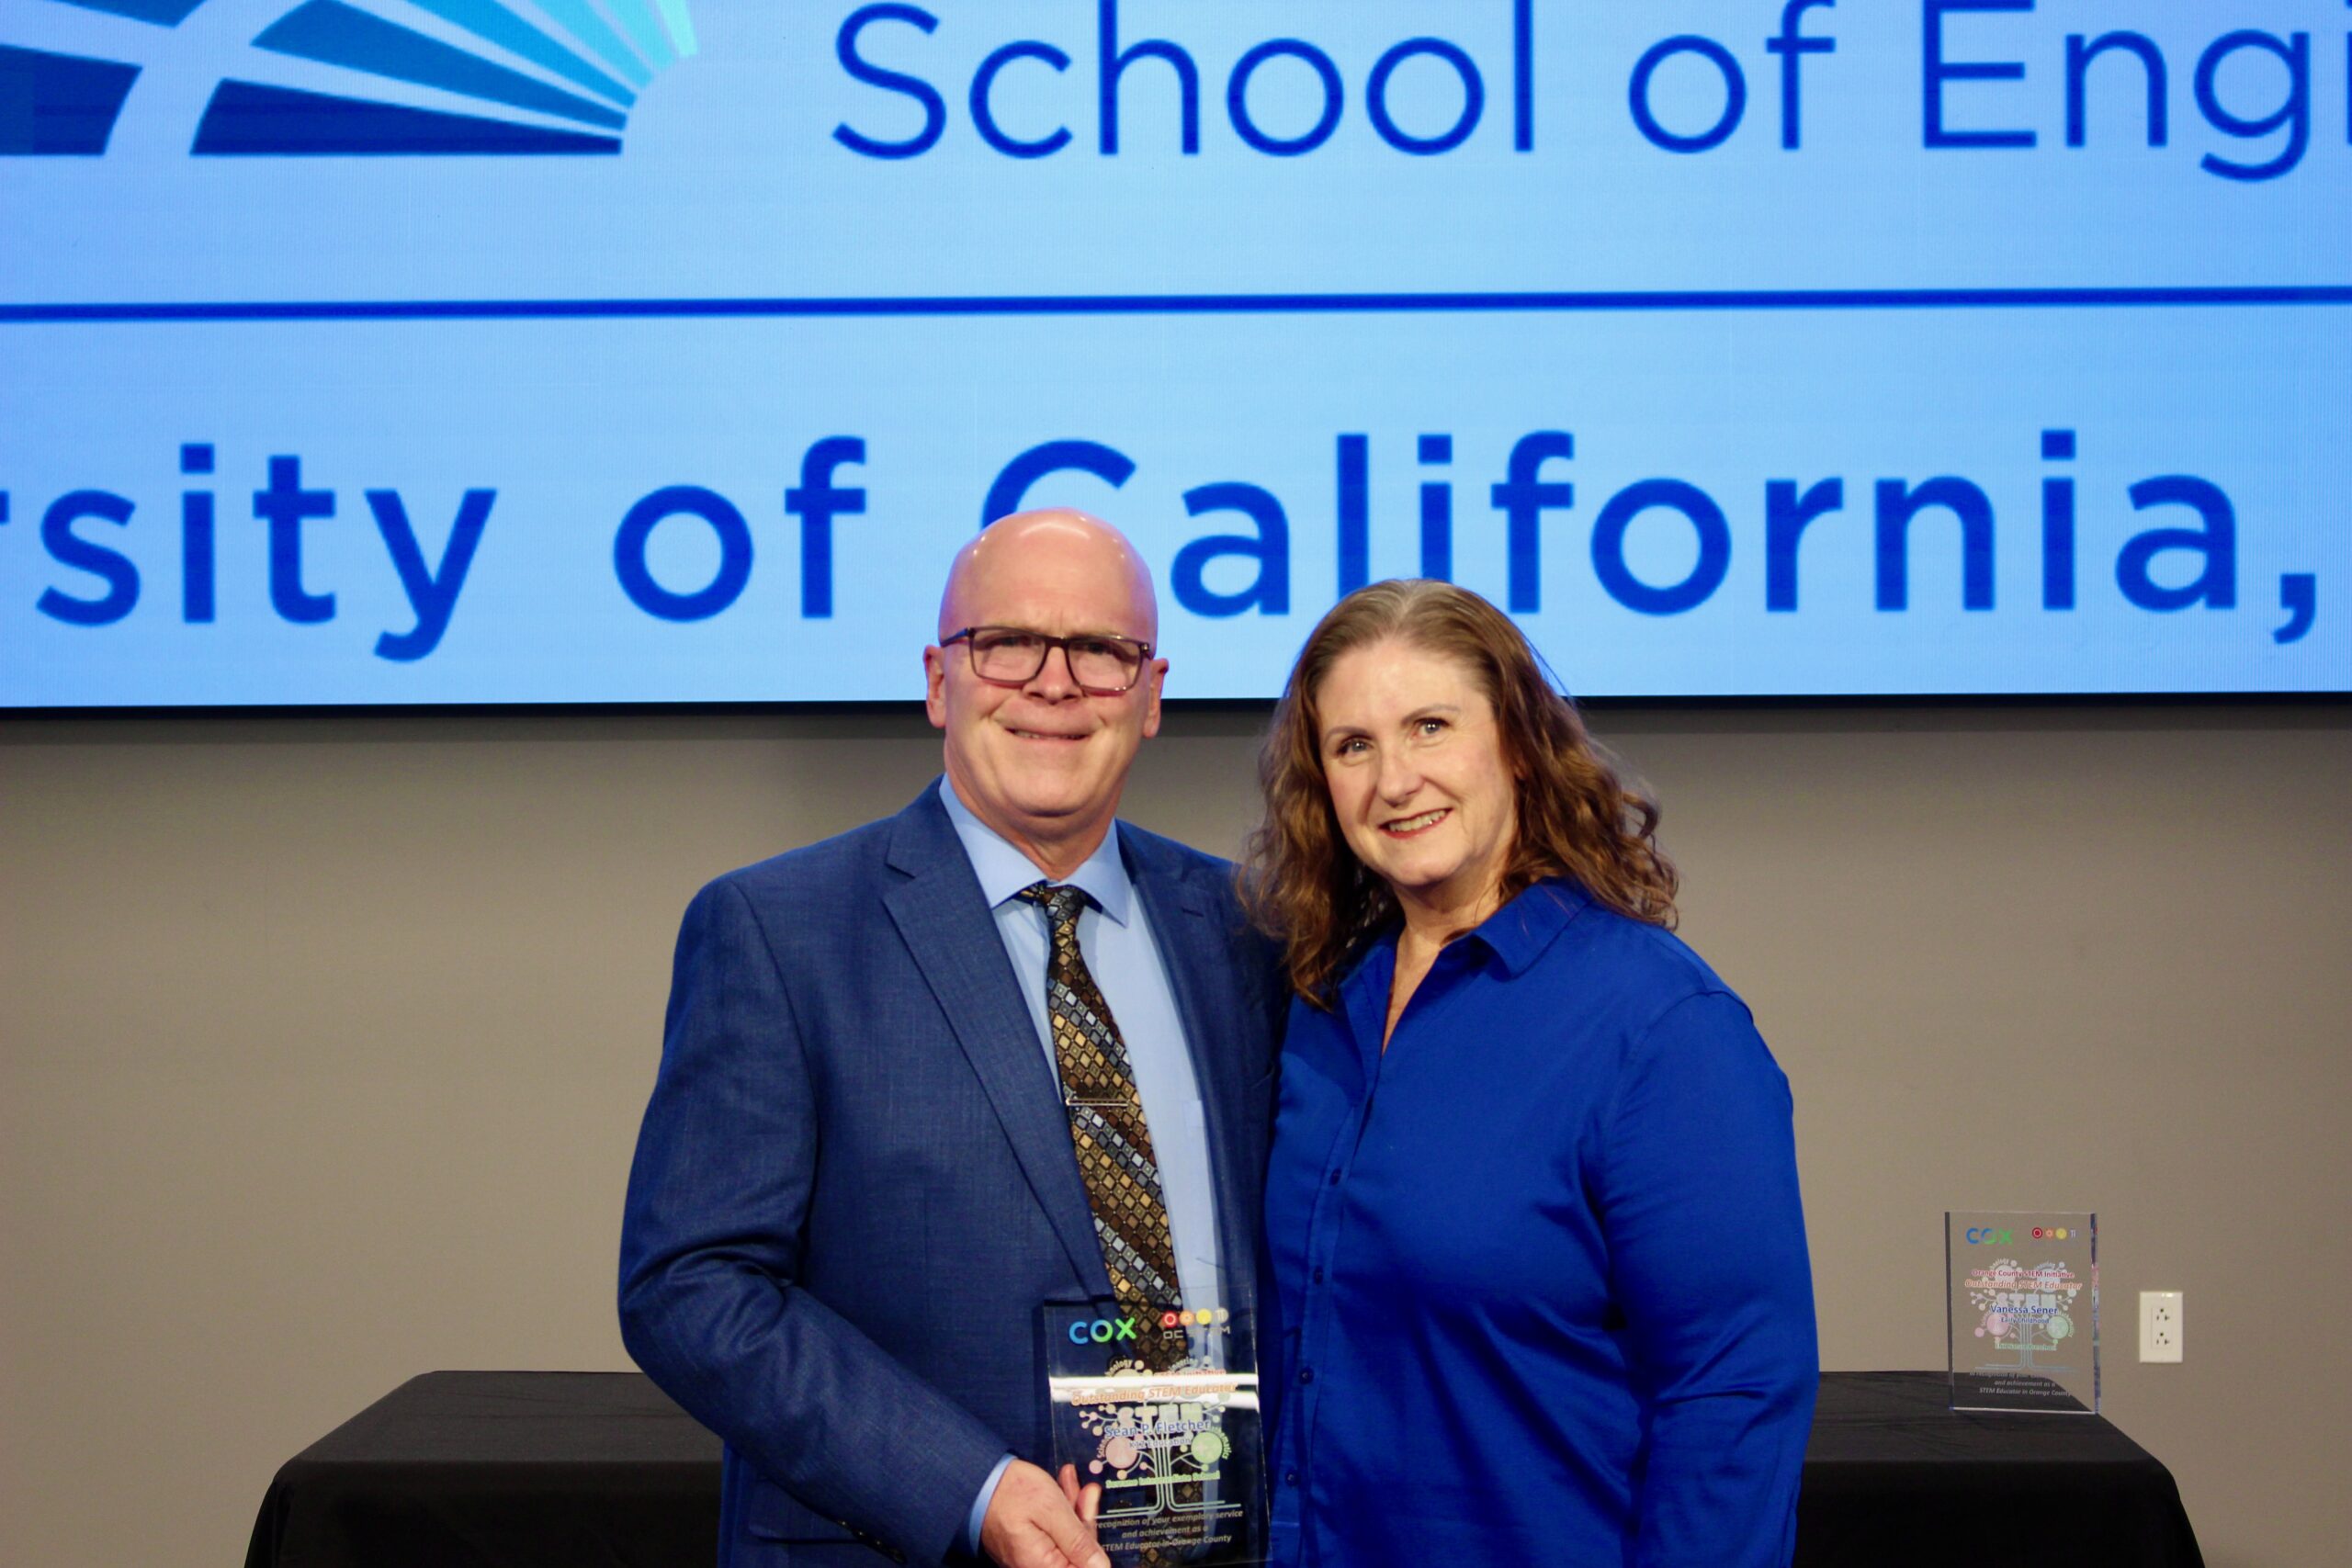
[2160, 1325]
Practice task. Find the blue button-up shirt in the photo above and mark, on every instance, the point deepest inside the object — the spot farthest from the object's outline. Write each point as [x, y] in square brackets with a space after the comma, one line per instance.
[1115, 936]
[1542, 1263]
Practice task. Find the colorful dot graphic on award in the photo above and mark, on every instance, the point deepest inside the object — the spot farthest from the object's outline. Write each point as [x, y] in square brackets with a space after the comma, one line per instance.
[328, 77]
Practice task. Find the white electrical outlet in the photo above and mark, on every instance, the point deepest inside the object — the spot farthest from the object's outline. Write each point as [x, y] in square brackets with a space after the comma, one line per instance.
[2160, 1325]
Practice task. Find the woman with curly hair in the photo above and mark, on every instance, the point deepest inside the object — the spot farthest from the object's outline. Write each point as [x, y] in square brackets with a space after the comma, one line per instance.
[1538, 1253]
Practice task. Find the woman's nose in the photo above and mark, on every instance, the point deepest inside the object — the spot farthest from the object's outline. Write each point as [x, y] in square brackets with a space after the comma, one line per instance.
[1399, 779]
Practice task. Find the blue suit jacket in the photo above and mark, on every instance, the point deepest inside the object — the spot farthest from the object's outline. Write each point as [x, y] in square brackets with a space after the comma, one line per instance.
[854, 1183]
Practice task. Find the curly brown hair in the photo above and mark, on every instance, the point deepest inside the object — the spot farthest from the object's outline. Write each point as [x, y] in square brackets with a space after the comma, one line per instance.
[1576, 819]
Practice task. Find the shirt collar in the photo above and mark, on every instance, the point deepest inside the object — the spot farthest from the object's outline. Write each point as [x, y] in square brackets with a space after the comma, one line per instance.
[1518, 933]
[1003, 871]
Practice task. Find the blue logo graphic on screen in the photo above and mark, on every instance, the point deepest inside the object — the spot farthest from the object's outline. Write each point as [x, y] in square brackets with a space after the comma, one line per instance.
[328, 77]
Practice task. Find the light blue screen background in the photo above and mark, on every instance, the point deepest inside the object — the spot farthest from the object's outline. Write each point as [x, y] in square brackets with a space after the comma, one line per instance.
[1862, 307]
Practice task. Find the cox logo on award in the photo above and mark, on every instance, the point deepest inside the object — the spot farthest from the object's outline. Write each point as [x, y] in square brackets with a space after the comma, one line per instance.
[1989, 1236]
[1110, 1330]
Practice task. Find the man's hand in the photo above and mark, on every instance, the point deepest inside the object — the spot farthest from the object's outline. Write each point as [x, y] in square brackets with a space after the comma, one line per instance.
[1087, 1500]
[1032, 1522]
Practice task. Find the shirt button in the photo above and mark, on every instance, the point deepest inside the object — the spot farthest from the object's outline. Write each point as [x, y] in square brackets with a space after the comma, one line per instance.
[1290, 1478]
[1318, 1273]
[1335, 1179]
[1307, 1374]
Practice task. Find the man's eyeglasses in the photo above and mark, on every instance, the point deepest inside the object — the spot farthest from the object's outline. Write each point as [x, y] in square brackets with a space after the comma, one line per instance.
[1103, 664]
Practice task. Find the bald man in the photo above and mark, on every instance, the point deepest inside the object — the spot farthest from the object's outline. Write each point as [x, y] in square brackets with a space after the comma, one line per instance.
[858, 1179]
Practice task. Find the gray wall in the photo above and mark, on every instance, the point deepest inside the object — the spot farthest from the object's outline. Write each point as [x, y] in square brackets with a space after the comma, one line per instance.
[325, 1040]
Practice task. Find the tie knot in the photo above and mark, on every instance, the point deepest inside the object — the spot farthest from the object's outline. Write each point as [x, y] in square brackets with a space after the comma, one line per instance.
[1061, 901]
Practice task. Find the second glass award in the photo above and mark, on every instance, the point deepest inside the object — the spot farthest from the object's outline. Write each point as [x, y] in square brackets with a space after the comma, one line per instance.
[2021, 1303]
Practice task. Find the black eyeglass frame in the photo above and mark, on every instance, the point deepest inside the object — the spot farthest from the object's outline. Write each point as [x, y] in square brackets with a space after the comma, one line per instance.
[1045, 645]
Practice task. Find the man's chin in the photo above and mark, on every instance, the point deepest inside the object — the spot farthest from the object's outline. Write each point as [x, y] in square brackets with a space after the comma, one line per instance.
[1050, 807]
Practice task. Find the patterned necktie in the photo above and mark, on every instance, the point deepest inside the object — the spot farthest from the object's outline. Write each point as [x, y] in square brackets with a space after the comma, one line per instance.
[1106, 1126]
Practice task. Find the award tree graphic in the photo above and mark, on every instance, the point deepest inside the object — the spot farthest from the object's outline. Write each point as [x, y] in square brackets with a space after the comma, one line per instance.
[2024, 1310]
[388, 77]
[1148, 1451]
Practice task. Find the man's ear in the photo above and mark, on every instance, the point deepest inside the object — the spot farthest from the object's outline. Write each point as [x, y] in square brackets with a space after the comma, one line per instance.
[1153, 676]
[934, 686]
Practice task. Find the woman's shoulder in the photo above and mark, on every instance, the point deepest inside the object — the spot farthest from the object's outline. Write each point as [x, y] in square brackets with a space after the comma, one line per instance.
[1637, 958]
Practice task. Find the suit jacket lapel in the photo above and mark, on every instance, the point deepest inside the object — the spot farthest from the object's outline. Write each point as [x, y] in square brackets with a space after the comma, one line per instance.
[946, 922]
[1185, 920]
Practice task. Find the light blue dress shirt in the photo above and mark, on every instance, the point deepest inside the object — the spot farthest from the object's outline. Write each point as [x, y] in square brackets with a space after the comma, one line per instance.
[1115, 936]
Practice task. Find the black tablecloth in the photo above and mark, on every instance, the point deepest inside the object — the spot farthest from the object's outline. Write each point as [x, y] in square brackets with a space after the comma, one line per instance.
[501, 1470]
[517, 1470]
[1892, 1478]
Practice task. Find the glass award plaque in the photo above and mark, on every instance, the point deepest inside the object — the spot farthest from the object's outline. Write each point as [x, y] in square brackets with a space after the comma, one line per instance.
[1163, 1414]
[2022, 1306]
